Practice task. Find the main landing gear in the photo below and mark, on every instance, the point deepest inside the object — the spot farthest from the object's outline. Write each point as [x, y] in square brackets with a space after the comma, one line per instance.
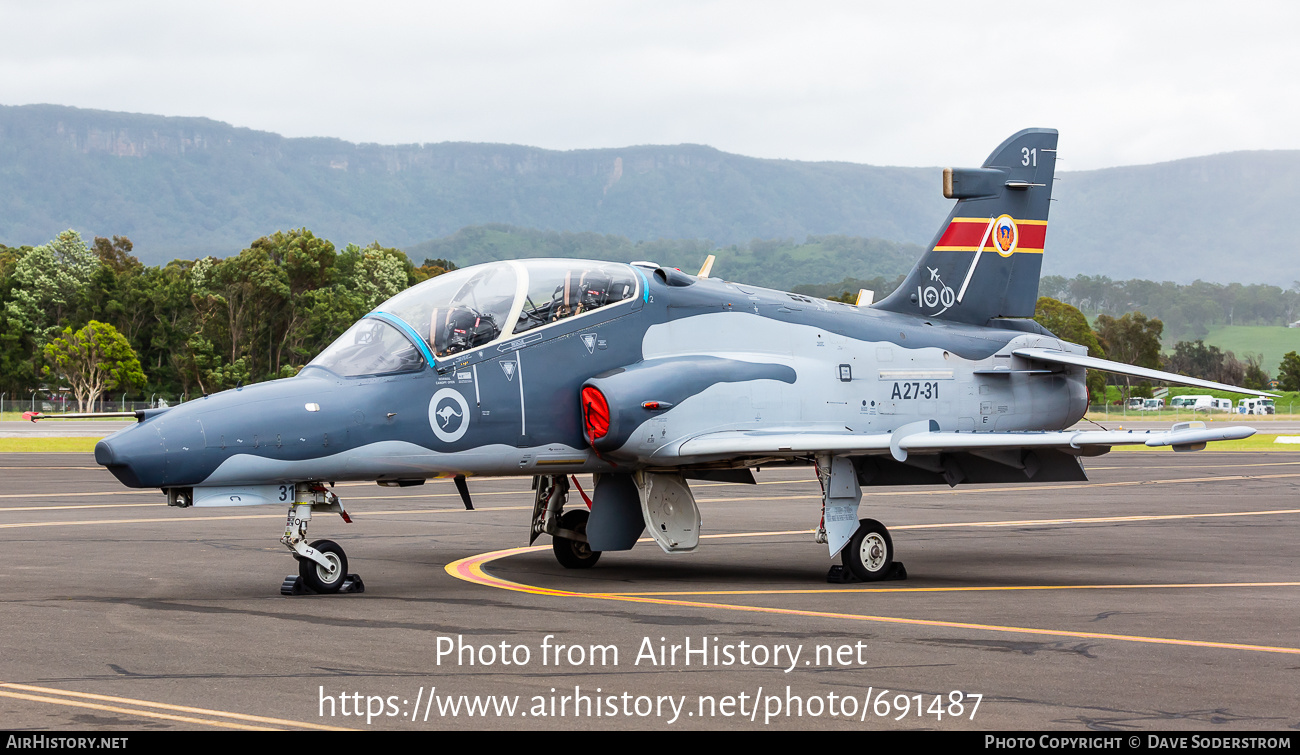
[867, 557]
[568, 529]
[865, 548]
[322, 565]
[869, 554]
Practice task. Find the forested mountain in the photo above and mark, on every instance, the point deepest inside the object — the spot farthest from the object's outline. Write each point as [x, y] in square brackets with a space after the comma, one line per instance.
[774, 263]
[1222, 218]
[188, 187]
[191, 187]
[1188, 311]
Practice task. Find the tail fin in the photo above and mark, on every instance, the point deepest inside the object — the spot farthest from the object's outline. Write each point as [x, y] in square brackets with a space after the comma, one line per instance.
[985, 261]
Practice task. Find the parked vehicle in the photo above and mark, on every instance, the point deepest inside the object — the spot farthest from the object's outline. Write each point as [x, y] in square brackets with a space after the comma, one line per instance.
[1153, 405]
[1134, 404]
[1201, 403]
[1255, 406]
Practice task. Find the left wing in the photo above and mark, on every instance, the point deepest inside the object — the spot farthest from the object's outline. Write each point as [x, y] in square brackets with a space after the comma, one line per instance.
[924, 437]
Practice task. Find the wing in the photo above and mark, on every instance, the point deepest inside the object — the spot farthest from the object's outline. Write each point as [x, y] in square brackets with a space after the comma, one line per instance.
[1054, 356]
[924, 437]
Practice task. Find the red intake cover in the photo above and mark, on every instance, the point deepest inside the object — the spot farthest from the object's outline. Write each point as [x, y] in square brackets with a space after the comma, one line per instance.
[595, 414]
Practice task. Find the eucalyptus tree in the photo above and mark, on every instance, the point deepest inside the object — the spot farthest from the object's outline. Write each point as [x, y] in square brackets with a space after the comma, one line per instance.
[1133, 338]
[1069, 323]
[49, 281]
[94, 359]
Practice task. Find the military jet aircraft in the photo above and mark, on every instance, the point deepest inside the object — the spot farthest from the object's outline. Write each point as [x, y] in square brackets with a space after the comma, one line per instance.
[647, 377]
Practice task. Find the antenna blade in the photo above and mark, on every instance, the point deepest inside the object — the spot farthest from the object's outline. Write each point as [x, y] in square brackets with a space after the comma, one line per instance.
[463, 488]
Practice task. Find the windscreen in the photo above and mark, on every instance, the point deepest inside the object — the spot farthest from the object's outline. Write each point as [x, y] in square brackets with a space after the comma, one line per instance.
[370, 347]
[465, 309]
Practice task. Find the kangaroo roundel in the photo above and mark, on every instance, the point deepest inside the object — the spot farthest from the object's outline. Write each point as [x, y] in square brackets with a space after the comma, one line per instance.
[448, 415]
[1006, 235]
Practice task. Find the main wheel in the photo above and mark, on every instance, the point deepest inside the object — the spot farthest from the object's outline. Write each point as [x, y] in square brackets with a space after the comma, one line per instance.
[870, 552]
[316, 576]
[574, 554]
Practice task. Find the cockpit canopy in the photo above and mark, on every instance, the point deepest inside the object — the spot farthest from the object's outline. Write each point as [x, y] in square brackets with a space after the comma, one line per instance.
[473, 307]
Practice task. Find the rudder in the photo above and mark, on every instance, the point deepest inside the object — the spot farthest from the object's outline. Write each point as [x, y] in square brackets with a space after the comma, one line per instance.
[1001, 211]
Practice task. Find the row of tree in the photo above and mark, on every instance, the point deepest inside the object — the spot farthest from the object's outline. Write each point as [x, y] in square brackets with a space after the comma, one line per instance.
[196, 326]
[94, 318]
[1188, 311]
[1133, 338]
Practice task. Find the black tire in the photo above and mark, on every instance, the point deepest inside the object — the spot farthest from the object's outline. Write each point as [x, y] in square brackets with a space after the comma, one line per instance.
[315, 577]
[870, 552]
[573, 554]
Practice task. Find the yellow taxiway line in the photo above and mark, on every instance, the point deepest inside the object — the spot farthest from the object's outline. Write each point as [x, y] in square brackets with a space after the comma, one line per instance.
[735, 499]
[1028, 522]
[80, 700]
[870, 495]
[192, 519]
[471, 570]
[988, 588]
[7, 509]
[1094, 519]
[728, 499]
[1205, 466]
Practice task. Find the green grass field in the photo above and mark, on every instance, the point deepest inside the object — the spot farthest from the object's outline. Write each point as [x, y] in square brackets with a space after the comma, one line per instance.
[8, 415]
[1253, 444]
[1271, 341]
[48, 445]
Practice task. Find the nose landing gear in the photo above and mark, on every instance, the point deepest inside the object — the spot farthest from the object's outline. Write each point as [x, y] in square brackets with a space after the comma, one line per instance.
[568, 529]
[322, 565]
[570, 552]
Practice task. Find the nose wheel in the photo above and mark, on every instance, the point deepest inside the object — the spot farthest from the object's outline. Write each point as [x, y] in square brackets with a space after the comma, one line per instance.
[321, 578]
[570, 551]
[322, 565]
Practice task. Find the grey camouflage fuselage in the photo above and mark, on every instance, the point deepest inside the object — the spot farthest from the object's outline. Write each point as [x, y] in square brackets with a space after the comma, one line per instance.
[647, 377]
[724, 356]
[720, 356]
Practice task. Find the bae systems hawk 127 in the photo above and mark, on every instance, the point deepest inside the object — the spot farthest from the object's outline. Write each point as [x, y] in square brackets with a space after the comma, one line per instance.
[647, 378]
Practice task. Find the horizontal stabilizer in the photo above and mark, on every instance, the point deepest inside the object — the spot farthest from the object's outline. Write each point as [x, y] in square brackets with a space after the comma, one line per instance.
[1079, 360]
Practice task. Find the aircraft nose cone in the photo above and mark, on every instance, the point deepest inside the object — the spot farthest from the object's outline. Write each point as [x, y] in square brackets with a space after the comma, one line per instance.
[133, 456]
[104, 455]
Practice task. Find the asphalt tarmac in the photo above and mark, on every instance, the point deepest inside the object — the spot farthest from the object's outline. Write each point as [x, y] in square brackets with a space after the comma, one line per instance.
[1161, 595]
[63, 428]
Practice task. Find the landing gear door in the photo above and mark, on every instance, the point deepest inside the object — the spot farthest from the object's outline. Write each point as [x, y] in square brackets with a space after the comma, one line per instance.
[843, 494]
[669, 510]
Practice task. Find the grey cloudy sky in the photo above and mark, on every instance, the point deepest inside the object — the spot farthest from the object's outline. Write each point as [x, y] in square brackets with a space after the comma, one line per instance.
[883, 83]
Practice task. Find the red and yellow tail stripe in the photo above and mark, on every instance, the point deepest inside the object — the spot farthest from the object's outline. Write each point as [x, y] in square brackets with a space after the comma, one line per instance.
[964, 234]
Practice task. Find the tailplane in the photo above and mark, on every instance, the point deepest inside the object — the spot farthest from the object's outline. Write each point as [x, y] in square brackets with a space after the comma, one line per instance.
[985, 261]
